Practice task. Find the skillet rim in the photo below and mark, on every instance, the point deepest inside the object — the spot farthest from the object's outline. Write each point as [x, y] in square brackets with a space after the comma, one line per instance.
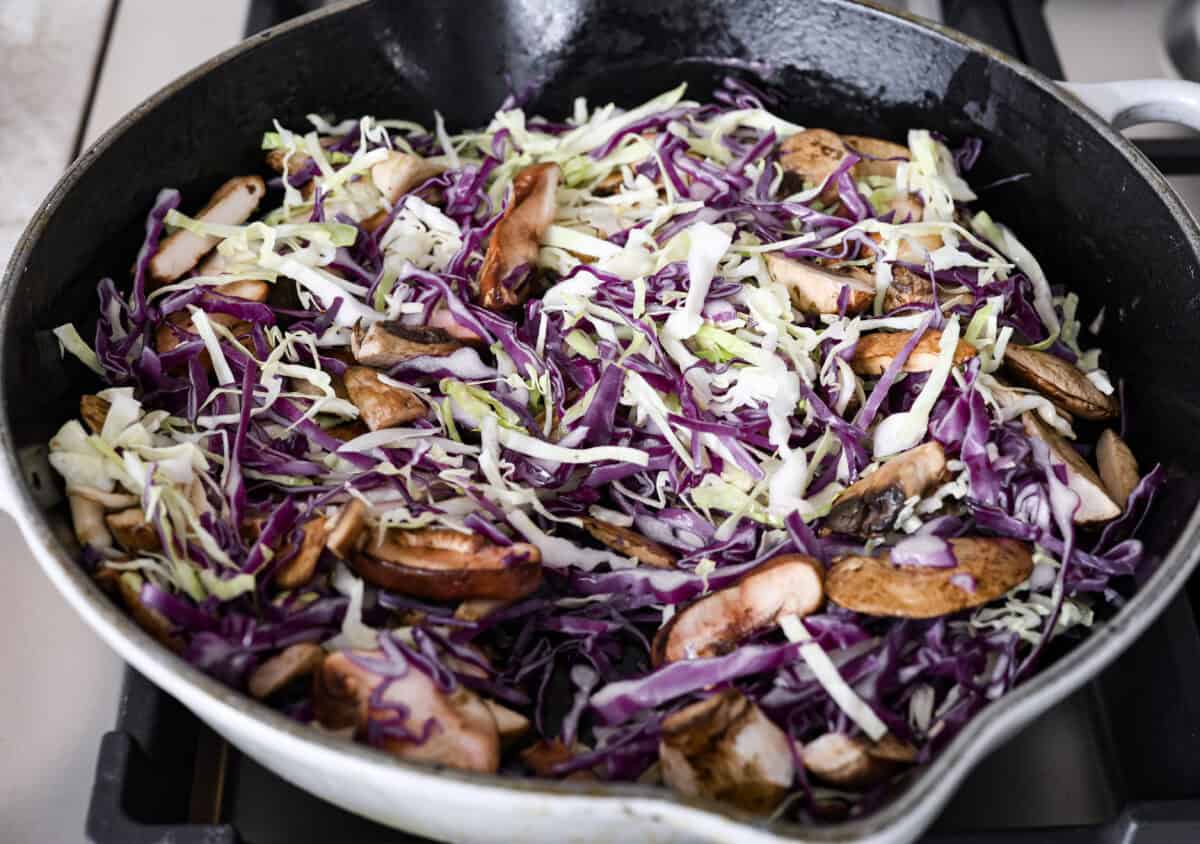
[909, 813]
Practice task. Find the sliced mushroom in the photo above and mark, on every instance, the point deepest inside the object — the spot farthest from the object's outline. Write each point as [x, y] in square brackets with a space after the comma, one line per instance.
[478, 608]
[809, 157]
[875, 351]
[545, 754]
[880, 158]
[509, 724]
[214, 263]
[463, 734]
[400, 172]
[381, 405]
[250, 289]
[987, 569]
[855, 762]
[716, 623]
[285, 668]
[94, 411]
[818, 290]
[871, 504]
[231, 205]
[813, 154]
[148, 618]
[445, 565]
[386, 344]
[1095, 505]
[725, 748]
[348, 430]
[167, 335]
[132, 531]
[87, 517]
[299, 569]
[906, 208]
[1118, 467]
[913, 248]
[348, 530]
[513, 249]
[1061, 382]
[630, 543]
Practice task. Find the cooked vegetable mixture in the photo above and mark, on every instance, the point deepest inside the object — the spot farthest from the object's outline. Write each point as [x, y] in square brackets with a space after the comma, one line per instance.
[683, 445]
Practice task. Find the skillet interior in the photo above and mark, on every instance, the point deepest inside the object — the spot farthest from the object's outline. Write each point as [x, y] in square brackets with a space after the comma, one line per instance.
[1091, 211]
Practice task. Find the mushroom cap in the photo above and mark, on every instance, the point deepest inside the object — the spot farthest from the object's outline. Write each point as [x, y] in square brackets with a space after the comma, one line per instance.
[818, 290]
[1094, 502]
[854, 762]
[445, 572]
[1064, 384]
[725, 748]
[871, 504]
[516, 239]
[385, 344]
[465, 735]
[381, 405]
[786, 585]
[630, 543]
[876, 586]
[875, 351]
[1118, 467]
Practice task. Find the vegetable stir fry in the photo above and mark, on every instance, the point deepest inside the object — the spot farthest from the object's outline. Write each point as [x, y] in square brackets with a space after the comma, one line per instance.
[679, 445]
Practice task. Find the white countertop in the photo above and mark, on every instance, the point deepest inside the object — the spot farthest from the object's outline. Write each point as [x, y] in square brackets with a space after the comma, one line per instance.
[62, 688]
[62, 683]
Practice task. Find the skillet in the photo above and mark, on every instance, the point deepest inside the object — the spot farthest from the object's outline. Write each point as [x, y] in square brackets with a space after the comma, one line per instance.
[1098, 215]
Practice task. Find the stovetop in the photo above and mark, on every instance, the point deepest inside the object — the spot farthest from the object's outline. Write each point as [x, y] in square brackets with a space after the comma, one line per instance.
[1117, 761]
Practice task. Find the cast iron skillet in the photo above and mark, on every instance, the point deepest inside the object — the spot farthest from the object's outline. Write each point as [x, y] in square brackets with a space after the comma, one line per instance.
[1097, 214]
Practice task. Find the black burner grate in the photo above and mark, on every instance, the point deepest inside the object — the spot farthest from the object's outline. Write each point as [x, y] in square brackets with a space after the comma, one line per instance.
[1119, 761]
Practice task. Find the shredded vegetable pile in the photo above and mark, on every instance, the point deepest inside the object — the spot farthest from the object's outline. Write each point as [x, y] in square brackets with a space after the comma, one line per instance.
[680, 445]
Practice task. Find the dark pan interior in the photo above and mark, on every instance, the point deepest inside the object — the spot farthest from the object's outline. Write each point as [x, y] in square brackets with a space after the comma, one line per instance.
[1098, 223]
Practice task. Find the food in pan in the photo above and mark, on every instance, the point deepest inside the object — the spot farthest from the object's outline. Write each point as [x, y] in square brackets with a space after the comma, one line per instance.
[680, 445]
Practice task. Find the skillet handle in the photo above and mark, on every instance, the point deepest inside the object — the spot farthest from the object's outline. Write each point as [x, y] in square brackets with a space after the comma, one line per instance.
[1128, 103]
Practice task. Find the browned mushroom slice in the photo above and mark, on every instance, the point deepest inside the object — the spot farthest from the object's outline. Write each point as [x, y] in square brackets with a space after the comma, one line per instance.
[132, 531]
[874, 352]
[231, 205]
[381, 405]
[855, 762]
[913, 249]
[299, 569]
[445, 565]
[726, 749]
[908, 288]
[906, 208]
[283, 669]
[178, 328]
[871, 504]
[386, 344]
[879, 157]
[545, 754]
[94, 411]
[87, 518]
[818, 290]
[1118, 467]
[465, 734]
[987, 568]
[348, 430]
[513, 249]
[251, 289]
[630, 543]
[509, 724]
[148, 618]
[1061, 382]
[400, 172]
[714, 624]
[478, 609]
[348, 529]
[808, 157]
[1094, 502]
